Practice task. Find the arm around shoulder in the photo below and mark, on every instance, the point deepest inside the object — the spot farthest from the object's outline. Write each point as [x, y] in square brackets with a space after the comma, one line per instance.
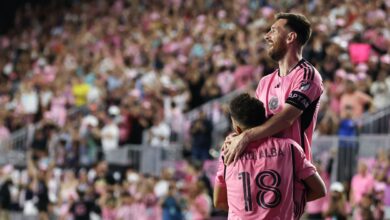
[275, 124]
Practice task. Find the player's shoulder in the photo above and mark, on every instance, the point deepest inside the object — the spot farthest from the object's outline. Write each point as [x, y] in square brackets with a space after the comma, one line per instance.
[307, 72]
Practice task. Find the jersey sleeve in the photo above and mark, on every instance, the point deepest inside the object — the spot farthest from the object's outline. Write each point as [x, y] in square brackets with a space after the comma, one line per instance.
[303, 167]
[306, 88]
[220, 177]
[259, 88]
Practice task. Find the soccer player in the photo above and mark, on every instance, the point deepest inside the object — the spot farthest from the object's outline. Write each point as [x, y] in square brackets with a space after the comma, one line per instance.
[291, 93]
[272, 179]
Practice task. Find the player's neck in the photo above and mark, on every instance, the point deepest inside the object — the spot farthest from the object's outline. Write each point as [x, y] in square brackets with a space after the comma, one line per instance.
[288, 62]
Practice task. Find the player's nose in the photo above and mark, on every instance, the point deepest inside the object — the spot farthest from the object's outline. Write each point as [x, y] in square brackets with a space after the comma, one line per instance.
[267, 37]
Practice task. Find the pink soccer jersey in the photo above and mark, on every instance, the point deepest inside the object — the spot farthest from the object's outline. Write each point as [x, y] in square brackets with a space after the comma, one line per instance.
[302, 88]
[266, 181]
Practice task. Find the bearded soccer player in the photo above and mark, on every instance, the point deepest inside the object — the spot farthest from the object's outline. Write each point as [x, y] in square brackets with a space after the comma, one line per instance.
[291, 93]
[267, 180]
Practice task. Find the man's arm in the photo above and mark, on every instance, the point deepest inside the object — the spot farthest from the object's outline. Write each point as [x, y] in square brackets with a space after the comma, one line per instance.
[220, 198]
[275, 124]
[279, 122]
[315, 187]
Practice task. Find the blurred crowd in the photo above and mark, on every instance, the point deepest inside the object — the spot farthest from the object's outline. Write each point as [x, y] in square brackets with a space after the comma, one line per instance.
[181, 191]
[149, 62]
[365, 197]
[103, 192]
[95, 75]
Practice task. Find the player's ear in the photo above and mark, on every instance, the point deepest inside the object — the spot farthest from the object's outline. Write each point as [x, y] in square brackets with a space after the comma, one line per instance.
[291, 37]
[238, 129]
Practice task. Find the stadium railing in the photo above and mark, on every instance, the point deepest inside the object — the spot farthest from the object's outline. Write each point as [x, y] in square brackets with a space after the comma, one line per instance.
[144, 158]
[376, 123]
[345, 152]
[13, 150]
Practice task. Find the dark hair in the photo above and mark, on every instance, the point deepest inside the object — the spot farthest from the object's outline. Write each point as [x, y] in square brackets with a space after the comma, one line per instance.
[299, 24]
[247, 111]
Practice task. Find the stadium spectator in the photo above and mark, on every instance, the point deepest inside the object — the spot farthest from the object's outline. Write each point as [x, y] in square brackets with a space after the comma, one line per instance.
[5, 198]
[380, 90]
[82, 208]
[354, 99]
[160, 133]
[170, 203]
[127, 209]
[109, 208]
[366, 209]
[386, 199]
[201, 139]
[337, 206]
[199, 202]
[110, 131]
[348, 146]
[4, 133]
[162, 185]
[200, 175]
[362, 183]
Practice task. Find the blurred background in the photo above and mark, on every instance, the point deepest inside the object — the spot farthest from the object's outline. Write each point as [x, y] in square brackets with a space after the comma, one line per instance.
[116, 109]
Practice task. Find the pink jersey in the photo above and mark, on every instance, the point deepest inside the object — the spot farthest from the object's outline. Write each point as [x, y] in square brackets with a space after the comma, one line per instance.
[302, 88]
[266, 182]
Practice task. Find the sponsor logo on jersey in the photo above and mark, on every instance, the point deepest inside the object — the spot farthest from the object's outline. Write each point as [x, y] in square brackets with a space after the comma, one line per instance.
[273, 103]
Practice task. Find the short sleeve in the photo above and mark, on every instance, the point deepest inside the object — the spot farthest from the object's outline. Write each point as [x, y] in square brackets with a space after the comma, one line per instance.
[259, 89]
[303, 167]
[307, 87]
[220, 177]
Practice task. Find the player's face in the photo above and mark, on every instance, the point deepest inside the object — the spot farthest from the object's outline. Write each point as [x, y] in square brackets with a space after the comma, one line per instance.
[276, 39]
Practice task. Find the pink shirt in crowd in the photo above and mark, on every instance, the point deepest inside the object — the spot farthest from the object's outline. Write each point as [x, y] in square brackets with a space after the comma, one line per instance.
[109, 214]
[347, 208]
[301, 88]
[243, 75]
[336, 89]
[202, 202]
[266, 182]
[386, 198]
[361, 185]
[58, 109]
[127, 212]
[4, 133]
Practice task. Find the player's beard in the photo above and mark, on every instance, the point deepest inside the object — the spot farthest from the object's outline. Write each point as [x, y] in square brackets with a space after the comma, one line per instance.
[278, 50]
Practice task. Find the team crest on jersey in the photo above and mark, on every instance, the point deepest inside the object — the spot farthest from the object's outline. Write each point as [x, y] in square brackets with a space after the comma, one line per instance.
[305, 86]
[273, 103]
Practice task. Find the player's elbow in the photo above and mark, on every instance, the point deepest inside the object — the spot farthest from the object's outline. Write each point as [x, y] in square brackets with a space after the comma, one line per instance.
[322, 188]
[322, 191]
[315, 187]
[316, 194]
[220, 198]
[217, 202]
